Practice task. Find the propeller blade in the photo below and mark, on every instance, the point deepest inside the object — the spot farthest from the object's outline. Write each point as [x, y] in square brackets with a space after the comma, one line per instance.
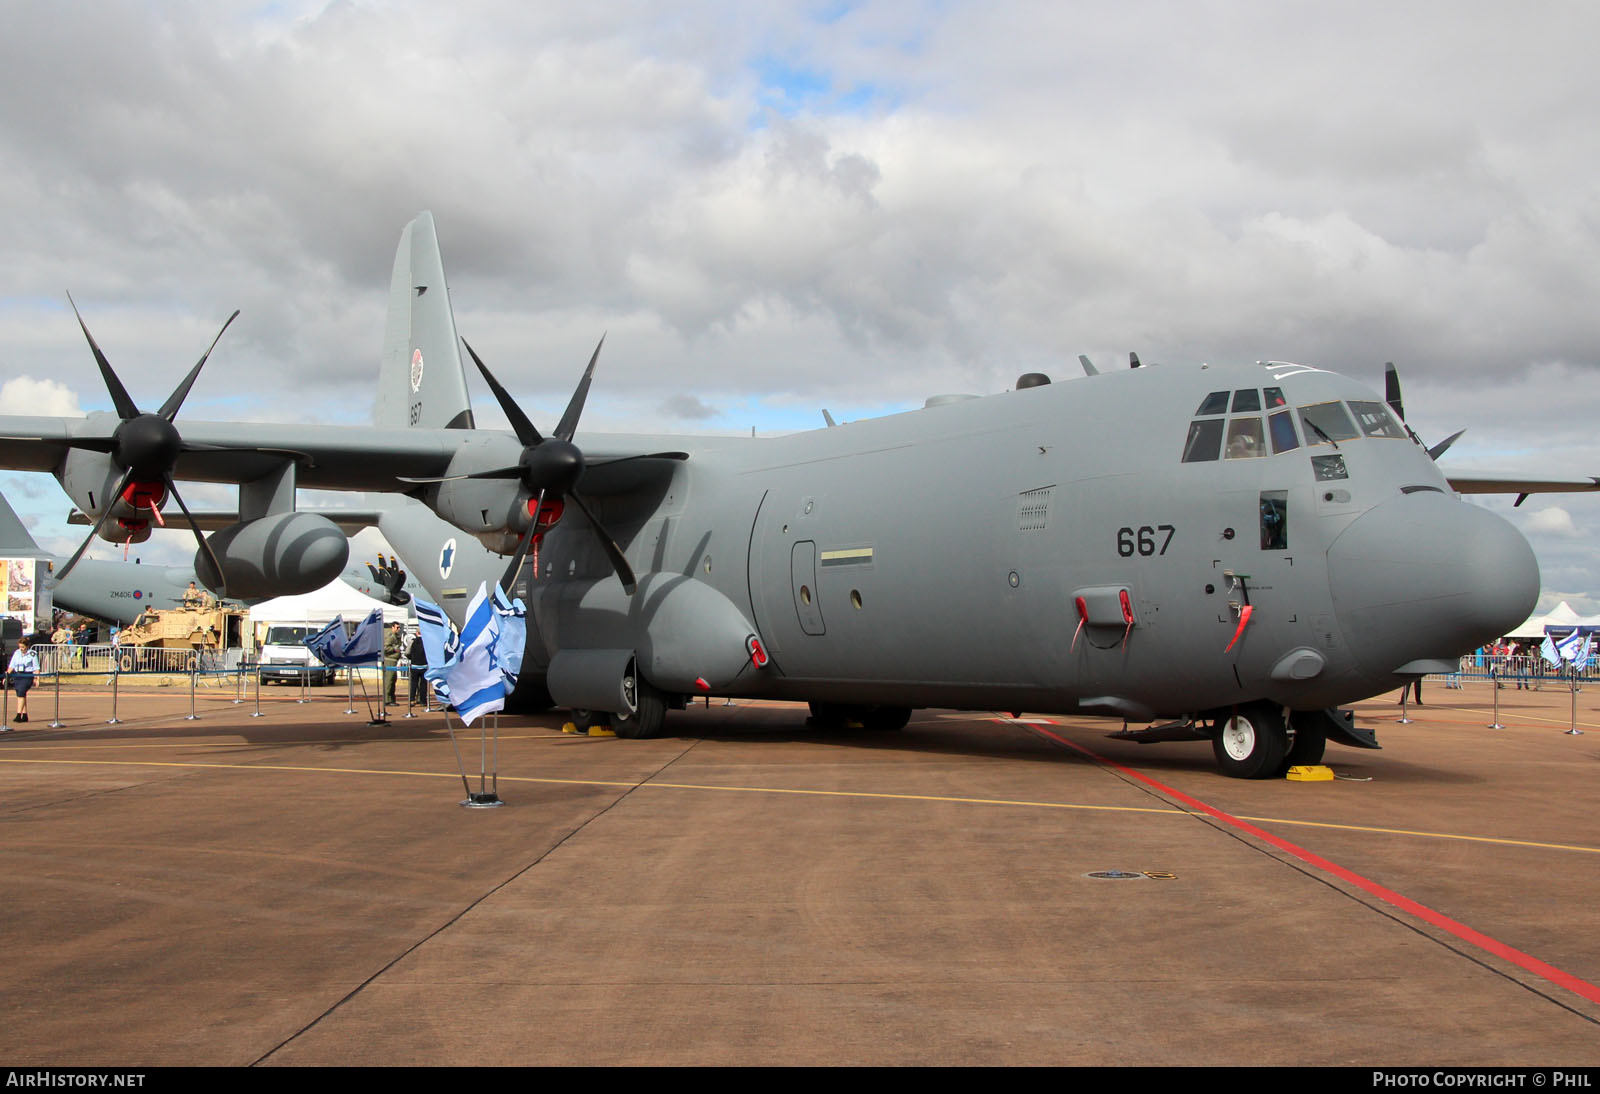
[640, 456]
[1444, 446]
[522, 545]
[105, 515]
[569, 420]
[1391, 390]
[618, 562]
[222, 580]
[126, 408]
[524, 429]
[496, 473]
[169, 409]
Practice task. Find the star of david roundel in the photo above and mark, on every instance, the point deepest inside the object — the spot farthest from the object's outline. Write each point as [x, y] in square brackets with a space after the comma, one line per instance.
[416, 371]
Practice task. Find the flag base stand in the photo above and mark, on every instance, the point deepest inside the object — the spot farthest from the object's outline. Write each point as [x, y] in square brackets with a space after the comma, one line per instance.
[486, 799]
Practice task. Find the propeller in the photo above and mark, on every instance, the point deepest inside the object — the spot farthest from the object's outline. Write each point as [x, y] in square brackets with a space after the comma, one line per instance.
[146, 447]
[549, 468]
[1391, 395]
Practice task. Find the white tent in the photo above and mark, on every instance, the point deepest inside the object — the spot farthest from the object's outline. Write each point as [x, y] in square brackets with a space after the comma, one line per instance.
[1561, 615]
[334, 598]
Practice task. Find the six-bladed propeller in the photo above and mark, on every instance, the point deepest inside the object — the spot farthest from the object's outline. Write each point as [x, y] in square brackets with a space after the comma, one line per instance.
[146, 447]
[549, 468]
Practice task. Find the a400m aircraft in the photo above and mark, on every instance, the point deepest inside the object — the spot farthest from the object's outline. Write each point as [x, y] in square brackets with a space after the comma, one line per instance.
[1232, 551]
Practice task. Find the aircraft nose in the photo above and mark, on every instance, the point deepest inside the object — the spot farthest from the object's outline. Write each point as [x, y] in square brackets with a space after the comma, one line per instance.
[1428, 576]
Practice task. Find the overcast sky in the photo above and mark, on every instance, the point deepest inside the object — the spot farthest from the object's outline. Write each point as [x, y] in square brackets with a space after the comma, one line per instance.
[774, 208]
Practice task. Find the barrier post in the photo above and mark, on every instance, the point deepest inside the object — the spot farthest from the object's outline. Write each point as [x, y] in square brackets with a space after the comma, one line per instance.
[1573, 730]
[410, 688]
[238, 683]
[305, 675]
[116, 678]
[58, 723]
[257, 667]
[350, 681]
[194, 672]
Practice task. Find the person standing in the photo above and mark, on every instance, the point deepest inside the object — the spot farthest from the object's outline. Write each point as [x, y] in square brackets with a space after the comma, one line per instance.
[393, 643]
[24, 666]
[419, 661]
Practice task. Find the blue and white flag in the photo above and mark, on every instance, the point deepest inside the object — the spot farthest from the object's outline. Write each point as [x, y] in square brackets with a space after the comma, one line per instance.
[474, 669]
[332, 647]
[1573, 646]
[513, 634]
[1547, 650]
[477, 686]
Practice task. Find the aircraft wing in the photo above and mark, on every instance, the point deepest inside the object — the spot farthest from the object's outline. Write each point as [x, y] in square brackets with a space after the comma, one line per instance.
[328, 457]
[1497, 482]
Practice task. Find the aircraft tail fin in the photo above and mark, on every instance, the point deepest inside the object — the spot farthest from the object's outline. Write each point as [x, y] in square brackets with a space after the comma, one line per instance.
[421, 382]
[14, 537]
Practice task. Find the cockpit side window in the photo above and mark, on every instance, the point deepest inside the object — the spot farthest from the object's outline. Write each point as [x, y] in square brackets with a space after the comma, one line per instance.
[1205, 439]
[1325, 422]
[1281, 425]
[1376, 421]
[1244, 439]
[1215, 403]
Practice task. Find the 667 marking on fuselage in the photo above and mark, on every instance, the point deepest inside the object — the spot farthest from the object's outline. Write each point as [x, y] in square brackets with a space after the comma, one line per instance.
[1144, 540]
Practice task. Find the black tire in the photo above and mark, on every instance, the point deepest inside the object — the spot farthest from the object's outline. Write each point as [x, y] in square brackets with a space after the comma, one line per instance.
[647, 720]
[1250, 742]
[885, 719]
[829, 715]
[1310, 741]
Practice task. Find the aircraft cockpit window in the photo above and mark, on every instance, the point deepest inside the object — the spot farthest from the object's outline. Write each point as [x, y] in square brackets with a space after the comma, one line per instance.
[1205, 439]
[1325, 423]
[1281, 426]
[1376, 421]
[1246, 400]
[1274, 397]
[1215, 403]
[1244, 439]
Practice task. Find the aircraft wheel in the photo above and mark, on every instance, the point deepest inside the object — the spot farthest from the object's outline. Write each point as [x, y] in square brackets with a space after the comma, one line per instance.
[647, 719]
[1310, 741]
[829, 715]
[1251, 742]
[885, 719]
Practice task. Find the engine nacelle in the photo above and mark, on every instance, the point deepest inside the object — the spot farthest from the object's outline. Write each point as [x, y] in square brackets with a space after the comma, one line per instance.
[275, 556]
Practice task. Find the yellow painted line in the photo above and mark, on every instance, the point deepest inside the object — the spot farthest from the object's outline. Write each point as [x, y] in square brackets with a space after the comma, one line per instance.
[598, 782]
[1531, 718]
[862, 794]
[1426, 835]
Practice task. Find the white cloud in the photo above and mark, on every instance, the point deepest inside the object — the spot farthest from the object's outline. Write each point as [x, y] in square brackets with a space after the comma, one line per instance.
[1553, 521]
[47, 398]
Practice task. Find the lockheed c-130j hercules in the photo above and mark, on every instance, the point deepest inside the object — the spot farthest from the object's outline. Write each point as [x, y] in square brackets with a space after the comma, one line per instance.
[1230, 551]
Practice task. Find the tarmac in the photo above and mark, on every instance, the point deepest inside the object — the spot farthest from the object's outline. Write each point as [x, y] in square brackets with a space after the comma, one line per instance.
[302, 888]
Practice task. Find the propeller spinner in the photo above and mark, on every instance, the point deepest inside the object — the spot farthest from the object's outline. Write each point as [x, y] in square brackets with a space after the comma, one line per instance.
[146, 446]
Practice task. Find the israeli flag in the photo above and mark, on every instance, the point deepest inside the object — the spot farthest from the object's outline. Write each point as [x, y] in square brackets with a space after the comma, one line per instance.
[1547, 650]
[513, 634]
[332, 647]
[477, 686]
[1573, 646]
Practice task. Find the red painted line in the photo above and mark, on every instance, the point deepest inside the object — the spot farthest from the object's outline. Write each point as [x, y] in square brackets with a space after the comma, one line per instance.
[1388, 896]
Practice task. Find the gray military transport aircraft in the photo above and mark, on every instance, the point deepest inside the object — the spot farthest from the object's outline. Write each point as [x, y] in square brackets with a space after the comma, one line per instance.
[1230, 551]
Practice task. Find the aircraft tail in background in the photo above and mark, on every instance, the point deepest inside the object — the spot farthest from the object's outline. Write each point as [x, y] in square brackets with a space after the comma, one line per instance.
[421, 382]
